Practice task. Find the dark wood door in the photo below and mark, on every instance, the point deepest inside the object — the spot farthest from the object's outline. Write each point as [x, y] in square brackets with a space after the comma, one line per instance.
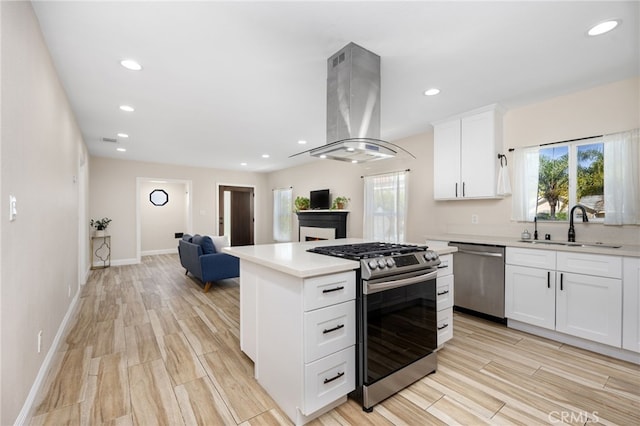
[238, 214]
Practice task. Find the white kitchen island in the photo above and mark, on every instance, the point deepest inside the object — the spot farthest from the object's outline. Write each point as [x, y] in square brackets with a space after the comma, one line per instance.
[297, 323]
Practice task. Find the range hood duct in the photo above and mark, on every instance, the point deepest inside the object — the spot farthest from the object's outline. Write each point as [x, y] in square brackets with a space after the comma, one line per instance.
[353, 109]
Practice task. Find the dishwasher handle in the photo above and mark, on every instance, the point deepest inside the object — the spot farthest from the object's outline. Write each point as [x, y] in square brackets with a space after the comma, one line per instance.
[480, 253]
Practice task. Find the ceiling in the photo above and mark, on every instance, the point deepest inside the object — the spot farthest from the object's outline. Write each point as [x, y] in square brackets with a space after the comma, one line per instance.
[225, 82]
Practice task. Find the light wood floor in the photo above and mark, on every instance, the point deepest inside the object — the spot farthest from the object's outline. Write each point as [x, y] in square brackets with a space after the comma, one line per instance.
[147, 347]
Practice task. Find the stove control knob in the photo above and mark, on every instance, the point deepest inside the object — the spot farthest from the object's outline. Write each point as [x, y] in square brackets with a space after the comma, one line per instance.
[382, 263]
[373, 264]
[430, 255]
[390, 262]
[427, 256]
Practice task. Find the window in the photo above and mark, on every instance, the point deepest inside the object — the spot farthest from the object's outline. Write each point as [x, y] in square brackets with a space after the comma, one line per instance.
[385, 207]
[282, 214]
[571, 174]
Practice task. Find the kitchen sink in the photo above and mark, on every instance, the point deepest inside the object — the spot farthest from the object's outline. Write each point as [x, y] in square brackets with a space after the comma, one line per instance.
[568, 244]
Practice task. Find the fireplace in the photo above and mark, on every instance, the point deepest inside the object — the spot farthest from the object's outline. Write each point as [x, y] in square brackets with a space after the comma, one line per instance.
[321, 225]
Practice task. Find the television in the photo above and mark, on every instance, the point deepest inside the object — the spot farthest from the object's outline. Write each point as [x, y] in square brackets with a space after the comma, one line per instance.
[319, 200]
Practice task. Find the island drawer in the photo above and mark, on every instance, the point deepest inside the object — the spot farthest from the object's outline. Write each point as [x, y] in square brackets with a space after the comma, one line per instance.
[328, 379]
[328, 290]
[329, 330]
[444, 291]
[445, 325]
[446, 265]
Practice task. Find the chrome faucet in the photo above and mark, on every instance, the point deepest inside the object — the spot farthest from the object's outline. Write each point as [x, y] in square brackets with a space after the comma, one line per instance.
[572, 231]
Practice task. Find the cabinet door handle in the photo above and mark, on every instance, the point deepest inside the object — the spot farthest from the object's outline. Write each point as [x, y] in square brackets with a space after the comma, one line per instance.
[463, 185]
[445, 325]
[548, 279]
[561, 278]
[456, 189]
[329, 290]
[329, 330]
[444, 292]
[336, 377]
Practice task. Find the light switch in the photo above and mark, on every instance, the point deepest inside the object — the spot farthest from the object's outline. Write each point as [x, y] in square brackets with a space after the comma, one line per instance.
[13, 211]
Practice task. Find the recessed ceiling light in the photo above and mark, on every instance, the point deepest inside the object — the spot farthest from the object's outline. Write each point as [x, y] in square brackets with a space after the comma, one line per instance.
[123, 135]
[603, 27]
[243, 164]
[350, 149]
[301, 142]
[431, 92]
[323, 156]
[130, 64]
[265, 155]
[121, 149]
[127, 108]
[354, 161]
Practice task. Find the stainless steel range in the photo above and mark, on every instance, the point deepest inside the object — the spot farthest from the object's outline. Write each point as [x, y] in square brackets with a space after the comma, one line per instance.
[396, 312]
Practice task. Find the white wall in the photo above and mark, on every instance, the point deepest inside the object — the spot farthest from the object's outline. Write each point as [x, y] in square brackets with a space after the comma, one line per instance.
[158, 224]
[601, 110]
[113, 194]
[605, 109]
[41, 148]
[345, 179]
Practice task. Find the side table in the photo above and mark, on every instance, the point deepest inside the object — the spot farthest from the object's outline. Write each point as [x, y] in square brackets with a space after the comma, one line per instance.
[100, 252]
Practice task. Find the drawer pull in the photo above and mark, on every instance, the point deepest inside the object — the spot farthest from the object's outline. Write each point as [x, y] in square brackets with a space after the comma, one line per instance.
[548, 279]
[329, 290]
[336, 377]
[443, 327]
[329, 330]
[443, 293]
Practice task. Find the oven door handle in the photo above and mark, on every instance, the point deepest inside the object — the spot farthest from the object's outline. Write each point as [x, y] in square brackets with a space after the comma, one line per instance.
[370, 288]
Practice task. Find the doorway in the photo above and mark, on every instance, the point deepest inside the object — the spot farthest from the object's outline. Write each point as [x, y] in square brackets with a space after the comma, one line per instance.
[235, 207]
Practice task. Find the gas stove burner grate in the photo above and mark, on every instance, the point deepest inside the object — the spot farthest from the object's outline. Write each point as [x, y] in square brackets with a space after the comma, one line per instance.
[367, 250]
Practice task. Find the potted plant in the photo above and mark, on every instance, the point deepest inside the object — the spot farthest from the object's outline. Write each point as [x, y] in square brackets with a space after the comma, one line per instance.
[100, 225]
[302, 203]
[340, 203]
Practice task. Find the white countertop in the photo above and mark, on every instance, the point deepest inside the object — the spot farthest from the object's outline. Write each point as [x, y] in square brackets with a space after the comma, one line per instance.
[294, 259]
[625, 250]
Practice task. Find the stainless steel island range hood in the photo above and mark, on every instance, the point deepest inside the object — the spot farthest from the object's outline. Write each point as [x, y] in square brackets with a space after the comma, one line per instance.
[353, 109]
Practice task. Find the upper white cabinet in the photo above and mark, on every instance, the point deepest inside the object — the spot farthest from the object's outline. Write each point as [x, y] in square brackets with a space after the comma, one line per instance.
[466, 149]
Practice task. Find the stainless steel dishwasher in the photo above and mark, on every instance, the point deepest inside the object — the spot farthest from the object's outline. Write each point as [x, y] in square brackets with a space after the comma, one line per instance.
[478, 270]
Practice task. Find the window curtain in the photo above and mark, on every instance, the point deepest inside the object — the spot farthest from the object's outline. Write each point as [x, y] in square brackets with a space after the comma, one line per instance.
[282, 214]
[621, 194]
[524, 202]
[385, 207]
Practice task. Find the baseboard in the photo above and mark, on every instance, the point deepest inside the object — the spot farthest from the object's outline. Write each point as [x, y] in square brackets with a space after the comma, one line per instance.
[122, 262]
[163, 251]
[589, 345]
[27, 407]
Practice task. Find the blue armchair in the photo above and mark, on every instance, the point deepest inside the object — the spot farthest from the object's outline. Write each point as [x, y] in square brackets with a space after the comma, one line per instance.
[198, 255]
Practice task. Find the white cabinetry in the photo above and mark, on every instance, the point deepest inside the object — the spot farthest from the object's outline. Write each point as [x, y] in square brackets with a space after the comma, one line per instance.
[530, 290]
[466, 155]
[589, 297]
[573, 293]
[631, 304]
[444, 302]
[301, 335]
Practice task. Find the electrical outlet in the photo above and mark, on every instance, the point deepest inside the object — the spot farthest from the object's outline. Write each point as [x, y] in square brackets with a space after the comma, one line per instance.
[39, 341]
[474, 219]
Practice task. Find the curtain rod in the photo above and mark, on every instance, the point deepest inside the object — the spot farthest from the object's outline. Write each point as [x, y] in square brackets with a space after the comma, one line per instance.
[289, 187]
[386, 173]
[559, 142]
